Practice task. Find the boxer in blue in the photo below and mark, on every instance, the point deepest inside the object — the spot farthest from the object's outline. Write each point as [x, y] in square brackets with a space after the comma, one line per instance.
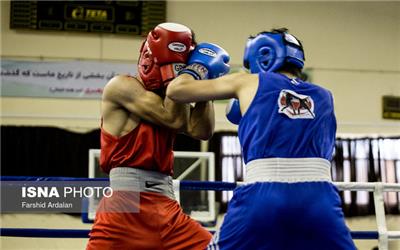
[287, 130]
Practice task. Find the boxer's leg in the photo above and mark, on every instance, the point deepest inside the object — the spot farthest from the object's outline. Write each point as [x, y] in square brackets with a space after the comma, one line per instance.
[114, 229]
[284, 216]
[320, 220]
[179, 231]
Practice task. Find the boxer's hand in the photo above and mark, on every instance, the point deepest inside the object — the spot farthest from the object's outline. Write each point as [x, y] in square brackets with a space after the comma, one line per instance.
[233, 111]
[207, 61]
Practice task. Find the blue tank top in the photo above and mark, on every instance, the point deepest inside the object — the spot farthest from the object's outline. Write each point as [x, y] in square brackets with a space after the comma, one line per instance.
[288, 118]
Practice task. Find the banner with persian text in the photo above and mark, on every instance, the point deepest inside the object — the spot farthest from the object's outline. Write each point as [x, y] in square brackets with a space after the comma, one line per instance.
[55, 79]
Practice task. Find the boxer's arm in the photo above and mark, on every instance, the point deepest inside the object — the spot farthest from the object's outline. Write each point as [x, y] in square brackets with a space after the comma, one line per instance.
[186, 89]
[201, 121]
[128, 93]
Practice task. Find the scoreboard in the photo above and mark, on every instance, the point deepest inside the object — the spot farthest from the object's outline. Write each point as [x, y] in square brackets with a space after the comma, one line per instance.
[391, 107]
[118, 17]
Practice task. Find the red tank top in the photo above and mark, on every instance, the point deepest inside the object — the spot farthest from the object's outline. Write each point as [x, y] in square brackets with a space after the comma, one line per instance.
[147, 147]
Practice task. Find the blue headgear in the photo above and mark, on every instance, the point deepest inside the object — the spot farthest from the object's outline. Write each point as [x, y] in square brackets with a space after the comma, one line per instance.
[269, 51]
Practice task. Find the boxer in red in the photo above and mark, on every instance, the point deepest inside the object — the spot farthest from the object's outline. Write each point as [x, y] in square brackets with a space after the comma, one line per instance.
[139, 125]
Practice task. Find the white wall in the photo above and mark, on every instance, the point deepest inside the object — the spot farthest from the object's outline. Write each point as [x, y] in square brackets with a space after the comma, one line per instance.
[352, 48]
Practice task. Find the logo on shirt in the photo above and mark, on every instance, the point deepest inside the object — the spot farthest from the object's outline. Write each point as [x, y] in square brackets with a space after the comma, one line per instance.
[295, 106]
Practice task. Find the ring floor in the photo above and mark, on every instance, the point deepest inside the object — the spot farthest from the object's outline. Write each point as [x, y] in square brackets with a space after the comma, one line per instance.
[63, 221]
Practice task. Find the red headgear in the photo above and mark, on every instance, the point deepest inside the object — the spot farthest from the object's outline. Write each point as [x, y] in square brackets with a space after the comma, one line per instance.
[164, 53]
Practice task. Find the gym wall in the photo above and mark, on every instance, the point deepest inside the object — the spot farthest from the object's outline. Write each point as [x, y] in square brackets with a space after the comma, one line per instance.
[352, 48]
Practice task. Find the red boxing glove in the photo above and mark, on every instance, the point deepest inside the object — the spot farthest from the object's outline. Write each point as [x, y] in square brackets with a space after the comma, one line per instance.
[164, 53]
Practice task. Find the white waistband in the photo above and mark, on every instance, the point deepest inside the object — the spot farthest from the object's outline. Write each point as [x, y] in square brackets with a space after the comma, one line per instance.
[288, 170]
[140, 180]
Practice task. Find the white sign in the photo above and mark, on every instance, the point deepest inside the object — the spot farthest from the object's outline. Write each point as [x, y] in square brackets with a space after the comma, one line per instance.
[67, 79]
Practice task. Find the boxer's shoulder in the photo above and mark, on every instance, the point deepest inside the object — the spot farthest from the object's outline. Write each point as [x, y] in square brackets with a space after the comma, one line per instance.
[123, 83]
[243, 76]
[119, 86]
[242, 79]
[123, 79]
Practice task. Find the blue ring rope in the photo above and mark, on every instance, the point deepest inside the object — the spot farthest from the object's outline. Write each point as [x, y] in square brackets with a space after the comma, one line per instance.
[84, 233]
[49, 178]
[207, 185]
[44, 233]
[184, 185]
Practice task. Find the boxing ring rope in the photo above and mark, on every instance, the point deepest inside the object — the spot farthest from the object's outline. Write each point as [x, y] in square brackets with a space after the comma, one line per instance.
[84, 233]
[378, 188]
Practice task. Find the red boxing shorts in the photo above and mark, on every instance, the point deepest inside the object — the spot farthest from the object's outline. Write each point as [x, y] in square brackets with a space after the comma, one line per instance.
[160, 224]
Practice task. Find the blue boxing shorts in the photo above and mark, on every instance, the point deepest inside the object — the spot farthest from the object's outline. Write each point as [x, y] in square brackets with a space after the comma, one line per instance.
[285, 206]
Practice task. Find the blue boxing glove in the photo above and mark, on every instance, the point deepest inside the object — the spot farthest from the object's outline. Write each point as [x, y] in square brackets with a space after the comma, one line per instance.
[207, 61]
[233, 111]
